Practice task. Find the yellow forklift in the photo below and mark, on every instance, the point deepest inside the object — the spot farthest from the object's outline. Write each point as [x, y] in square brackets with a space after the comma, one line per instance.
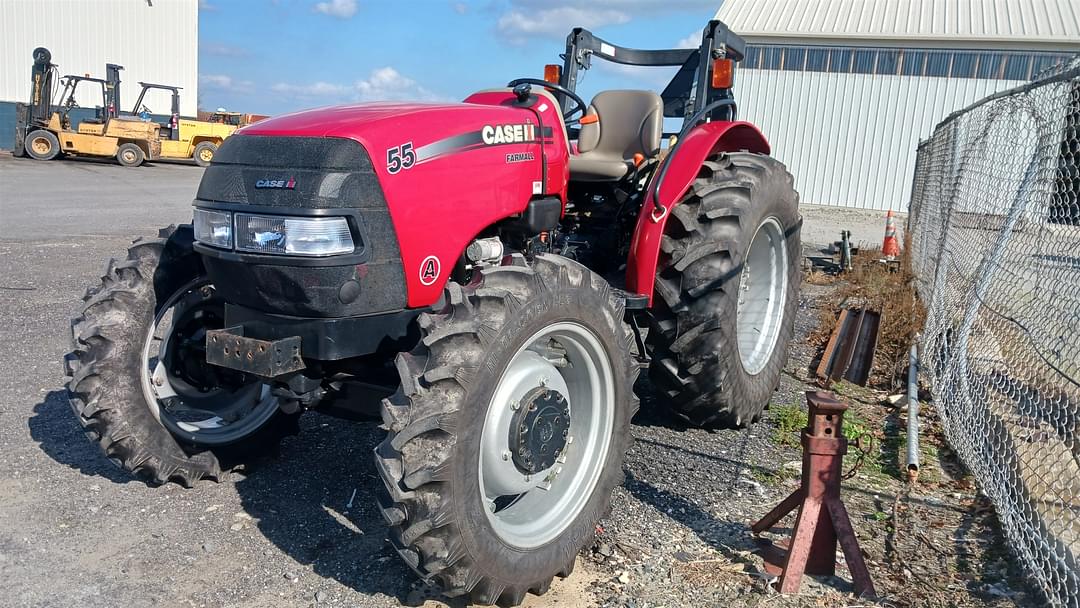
[184, 138]
[44, 132]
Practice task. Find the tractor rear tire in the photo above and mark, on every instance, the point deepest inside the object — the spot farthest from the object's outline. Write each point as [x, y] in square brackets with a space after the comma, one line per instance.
[41, 145]
[204, 153]
[130, 155]
[105, 386]
[727, 286]
[439, 501]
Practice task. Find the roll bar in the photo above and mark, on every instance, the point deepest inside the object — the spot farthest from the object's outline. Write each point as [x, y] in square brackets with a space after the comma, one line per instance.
[688, 92]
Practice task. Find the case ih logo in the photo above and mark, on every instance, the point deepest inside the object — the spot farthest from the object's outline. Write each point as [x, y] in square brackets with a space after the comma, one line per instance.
[508, 134]
[287, 184]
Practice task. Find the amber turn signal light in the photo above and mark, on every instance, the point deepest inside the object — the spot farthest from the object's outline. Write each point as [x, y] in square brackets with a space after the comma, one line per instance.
[552, 72]
[723, 73]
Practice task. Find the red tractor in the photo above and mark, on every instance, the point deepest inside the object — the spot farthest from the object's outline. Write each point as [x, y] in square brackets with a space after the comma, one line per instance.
[491, 273]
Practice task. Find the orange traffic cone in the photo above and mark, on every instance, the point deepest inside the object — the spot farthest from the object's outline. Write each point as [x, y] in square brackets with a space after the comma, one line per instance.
[890, 247]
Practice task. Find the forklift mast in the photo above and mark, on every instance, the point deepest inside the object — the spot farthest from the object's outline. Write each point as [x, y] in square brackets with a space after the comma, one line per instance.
[41, 87]
[112, 90]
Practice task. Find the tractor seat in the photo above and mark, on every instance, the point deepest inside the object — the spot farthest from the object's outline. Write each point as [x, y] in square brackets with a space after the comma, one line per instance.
[617, 125]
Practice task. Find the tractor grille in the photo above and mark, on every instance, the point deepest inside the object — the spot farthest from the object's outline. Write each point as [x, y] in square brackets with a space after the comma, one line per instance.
[328, 173]
[304, 176]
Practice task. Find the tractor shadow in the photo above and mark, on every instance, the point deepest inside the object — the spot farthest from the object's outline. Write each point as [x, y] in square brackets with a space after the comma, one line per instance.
[316, 502]
[54, 427]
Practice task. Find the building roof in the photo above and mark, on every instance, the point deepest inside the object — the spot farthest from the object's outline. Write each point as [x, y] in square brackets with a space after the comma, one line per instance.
[1022, 24]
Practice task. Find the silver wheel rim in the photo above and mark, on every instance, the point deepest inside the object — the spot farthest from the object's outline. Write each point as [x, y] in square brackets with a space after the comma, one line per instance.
[158, 386]
[529, 510]
[762, 292]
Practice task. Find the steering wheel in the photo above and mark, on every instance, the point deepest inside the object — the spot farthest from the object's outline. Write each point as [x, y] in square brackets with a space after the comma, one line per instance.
[579, 103]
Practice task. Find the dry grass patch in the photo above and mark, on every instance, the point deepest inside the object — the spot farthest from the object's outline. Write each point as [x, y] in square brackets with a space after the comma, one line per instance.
[890, 291]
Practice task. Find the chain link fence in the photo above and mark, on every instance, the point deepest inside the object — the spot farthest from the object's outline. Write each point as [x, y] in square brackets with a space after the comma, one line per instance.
[994, 235]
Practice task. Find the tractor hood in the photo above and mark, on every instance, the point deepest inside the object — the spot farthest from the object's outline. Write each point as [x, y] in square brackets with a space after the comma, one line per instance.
[398, 171]
[364, 121]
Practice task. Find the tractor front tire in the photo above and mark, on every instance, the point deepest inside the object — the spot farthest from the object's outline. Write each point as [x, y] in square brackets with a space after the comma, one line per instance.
[727, 286]
[204, 153]
[509, 358]
[130, 155]
[41, 145]
[106, 387]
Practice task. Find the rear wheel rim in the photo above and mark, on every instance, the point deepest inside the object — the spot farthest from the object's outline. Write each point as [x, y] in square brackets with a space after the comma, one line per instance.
[179, 389]
[128, 155]
[527, 510]
[762, 292]
[41, 145]
[206, 155]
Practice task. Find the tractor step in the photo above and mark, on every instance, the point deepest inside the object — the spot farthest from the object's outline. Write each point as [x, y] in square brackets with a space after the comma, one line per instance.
[633, 301]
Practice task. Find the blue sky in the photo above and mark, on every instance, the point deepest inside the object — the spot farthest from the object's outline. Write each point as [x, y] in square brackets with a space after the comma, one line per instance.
[274, 56]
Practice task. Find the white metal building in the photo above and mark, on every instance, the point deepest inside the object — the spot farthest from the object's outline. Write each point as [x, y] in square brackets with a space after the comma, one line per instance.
[845, 89]
[155, 40]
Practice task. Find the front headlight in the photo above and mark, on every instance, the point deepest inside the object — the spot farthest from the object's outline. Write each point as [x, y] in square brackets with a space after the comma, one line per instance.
[311, 236]
[213, 227]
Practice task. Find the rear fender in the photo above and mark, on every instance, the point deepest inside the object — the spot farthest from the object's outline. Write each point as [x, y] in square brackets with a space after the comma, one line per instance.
[698, 145]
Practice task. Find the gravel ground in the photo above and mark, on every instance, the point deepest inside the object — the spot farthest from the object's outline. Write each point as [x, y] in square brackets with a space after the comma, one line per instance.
[302, 530]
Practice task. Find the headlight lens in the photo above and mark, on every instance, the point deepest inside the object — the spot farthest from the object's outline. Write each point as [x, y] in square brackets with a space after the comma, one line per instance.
[213, 227]
[314, 236]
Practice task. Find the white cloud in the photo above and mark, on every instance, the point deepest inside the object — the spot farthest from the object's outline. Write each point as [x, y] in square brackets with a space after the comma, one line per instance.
[223, 50]
[342, 9]
[461, 8]
[222, 82]
[518, 26]
[383, 84]
[635, 7]
[204, 5]
[388, 83]
[555, 18]
[308, 91]
[692, 41]
[215, 80]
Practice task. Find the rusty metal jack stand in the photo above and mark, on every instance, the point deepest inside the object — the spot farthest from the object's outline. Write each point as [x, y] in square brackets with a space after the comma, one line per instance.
[822, 519]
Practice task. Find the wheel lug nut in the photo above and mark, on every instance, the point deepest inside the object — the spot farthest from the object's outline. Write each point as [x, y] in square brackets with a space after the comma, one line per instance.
[514, 406]
[506, 455]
